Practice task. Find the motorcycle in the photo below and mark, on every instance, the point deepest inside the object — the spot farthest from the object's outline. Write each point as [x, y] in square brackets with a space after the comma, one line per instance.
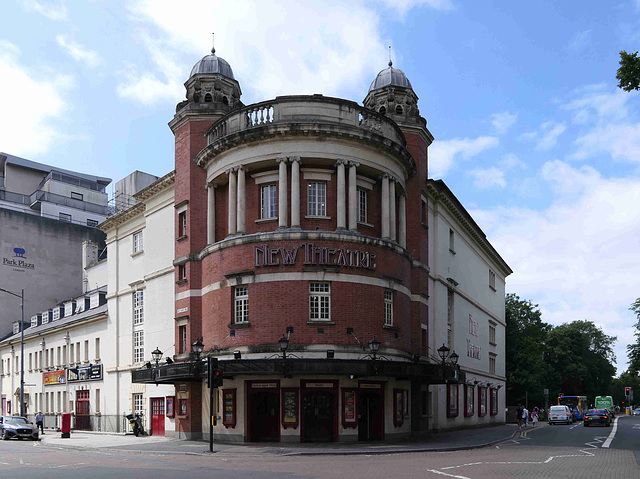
[135, 421]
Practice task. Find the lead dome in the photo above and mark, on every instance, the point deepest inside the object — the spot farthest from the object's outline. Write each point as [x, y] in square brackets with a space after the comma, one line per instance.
[390, 77]
[212, 64]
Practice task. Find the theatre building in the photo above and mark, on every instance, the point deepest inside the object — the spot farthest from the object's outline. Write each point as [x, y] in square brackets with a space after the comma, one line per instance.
[305, 262]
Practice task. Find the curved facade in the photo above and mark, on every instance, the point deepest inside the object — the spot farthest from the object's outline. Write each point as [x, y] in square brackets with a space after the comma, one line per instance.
[303, 221]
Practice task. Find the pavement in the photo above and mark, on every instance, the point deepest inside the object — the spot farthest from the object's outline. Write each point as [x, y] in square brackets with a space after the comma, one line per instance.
[129, 444]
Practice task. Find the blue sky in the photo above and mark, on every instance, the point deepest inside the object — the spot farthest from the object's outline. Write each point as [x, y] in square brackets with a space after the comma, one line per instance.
[531, 132]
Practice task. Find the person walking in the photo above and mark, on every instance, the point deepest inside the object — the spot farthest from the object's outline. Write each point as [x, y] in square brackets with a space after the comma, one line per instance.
[519, 415]
[525, 416]
[534, 417]
[40, 421]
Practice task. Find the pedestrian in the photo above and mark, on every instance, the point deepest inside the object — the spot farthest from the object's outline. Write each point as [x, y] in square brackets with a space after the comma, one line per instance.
[519, 415]
[40, 421]
[534, 417]
[525, 416]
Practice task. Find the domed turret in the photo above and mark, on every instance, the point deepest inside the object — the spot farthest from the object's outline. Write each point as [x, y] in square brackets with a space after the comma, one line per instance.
[212, 64]
[391, 94]
[211, 85]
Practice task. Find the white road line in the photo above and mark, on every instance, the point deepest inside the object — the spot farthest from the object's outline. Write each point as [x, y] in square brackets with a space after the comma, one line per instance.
[607, 443]
[435, 471]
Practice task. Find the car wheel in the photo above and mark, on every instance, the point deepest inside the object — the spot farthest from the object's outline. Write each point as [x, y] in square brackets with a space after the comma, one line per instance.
[5, 436]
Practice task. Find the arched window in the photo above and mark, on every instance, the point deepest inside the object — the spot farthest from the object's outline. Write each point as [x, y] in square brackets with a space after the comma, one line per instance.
[225, 100]
[398, 110]
[207, 98]
[382, 110]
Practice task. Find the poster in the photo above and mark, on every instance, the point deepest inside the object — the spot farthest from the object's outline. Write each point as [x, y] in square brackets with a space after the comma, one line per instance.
[452, 411]
[229, 405]
[468, 401]
[290, 414]
[350, 406]
[483, 401]
[170, 408]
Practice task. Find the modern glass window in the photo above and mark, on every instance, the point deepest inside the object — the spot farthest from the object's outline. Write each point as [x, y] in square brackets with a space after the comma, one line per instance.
[319, 301]
[268, 202]
[64, 217]
[388, 308]
[138, 307]
[91, 222]
[362, 205]
[138, 346]
[76, 196]
[317, 198]
[241, 304]
[137, 242]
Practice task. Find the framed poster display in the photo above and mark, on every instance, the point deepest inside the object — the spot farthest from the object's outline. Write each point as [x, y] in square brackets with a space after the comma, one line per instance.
[452, 400]
[290, 403]
[171, 412]
[182, 407]
[482, 402]
[229, 407]
[494, 402]
[398, 407]
[349, 408]
[468, 400]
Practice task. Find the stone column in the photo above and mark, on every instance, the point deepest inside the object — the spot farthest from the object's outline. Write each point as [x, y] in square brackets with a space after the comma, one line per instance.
[402, 221]
[241, 201]
[295, 192]
[392, 209]
[233, 198]
[282, 192]
[211, 213]
[353, 197]
[384, 221]
[341, 197]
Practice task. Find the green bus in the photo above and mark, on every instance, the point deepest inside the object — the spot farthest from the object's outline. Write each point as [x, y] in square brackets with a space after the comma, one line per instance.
[603, 402]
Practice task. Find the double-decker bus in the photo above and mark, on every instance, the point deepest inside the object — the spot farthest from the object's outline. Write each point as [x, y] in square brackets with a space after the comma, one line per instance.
[577, 404]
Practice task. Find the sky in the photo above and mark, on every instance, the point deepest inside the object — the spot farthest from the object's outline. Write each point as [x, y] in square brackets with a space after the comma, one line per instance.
[531, 132]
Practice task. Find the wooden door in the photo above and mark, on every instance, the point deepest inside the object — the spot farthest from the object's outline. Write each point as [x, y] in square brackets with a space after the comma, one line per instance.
[157, 416]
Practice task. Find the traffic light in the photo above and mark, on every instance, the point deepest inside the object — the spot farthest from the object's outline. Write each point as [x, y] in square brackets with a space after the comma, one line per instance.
[216, 376]
[212, 365]
[561, 395]
[627, 391]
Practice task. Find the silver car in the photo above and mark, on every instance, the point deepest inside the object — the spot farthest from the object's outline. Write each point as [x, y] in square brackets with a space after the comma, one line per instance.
[18, 427]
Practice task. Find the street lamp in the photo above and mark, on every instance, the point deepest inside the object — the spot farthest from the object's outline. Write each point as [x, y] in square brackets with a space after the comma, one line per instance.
[156, 354]
[21, 296]
[374, 347]
[197, 347]
[443, 351]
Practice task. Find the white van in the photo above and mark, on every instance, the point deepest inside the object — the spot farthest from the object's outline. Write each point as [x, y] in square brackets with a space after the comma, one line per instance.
[560, 414]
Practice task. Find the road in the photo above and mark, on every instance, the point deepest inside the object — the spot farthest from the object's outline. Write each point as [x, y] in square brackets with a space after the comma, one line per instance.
[546, 452]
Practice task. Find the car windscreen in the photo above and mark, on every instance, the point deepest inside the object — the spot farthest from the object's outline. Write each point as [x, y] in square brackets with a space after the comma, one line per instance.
[15, 420]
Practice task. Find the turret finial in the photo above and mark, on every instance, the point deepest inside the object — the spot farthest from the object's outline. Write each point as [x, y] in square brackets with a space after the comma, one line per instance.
[390, 62]
[213, 48]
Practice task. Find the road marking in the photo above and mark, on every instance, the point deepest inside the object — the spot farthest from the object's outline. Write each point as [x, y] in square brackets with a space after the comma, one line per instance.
[435, 471]
[607, 443]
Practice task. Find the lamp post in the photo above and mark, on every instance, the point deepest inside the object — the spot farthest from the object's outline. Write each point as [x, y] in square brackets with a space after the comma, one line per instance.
[443, 352]
[197, 347]
[284, 345]
[374, 347]
[156, 354]
[21, 296]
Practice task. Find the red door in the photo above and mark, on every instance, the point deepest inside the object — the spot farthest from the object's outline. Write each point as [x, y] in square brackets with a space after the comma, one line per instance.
[83, 419]
[157, 416]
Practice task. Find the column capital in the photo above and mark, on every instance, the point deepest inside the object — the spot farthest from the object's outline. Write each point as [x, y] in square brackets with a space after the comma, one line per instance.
[385, 176]
[293, 159]
[353, 164]
[341, 162]
[211, 184]
[282, 159]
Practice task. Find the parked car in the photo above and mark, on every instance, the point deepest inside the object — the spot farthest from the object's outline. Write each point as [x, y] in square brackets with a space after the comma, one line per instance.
[636, 411]
[560, 414]
[17, 427]
[597, 416]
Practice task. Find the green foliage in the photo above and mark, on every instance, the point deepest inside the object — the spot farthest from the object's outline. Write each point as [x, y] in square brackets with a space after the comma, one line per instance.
[574, 358]
[633, 350]
[629, 72]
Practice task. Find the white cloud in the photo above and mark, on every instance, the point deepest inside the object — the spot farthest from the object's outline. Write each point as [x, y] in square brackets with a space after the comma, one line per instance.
[578, 257]
[488, 178]
[546, 137]
[403, 6]
[274, 48]
[503, 121]
[580, 41]
[443, 153]
[28, 125]
[50, 10]
[78, 52]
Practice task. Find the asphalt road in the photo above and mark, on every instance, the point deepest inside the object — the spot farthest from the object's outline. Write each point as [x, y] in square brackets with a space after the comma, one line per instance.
[545, 452]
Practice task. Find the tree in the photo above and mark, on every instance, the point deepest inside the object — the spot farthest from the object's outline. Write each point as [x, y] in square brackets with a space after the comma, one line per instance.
[629, 71]
[526, 336]
[633, 350]
[585, 358]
